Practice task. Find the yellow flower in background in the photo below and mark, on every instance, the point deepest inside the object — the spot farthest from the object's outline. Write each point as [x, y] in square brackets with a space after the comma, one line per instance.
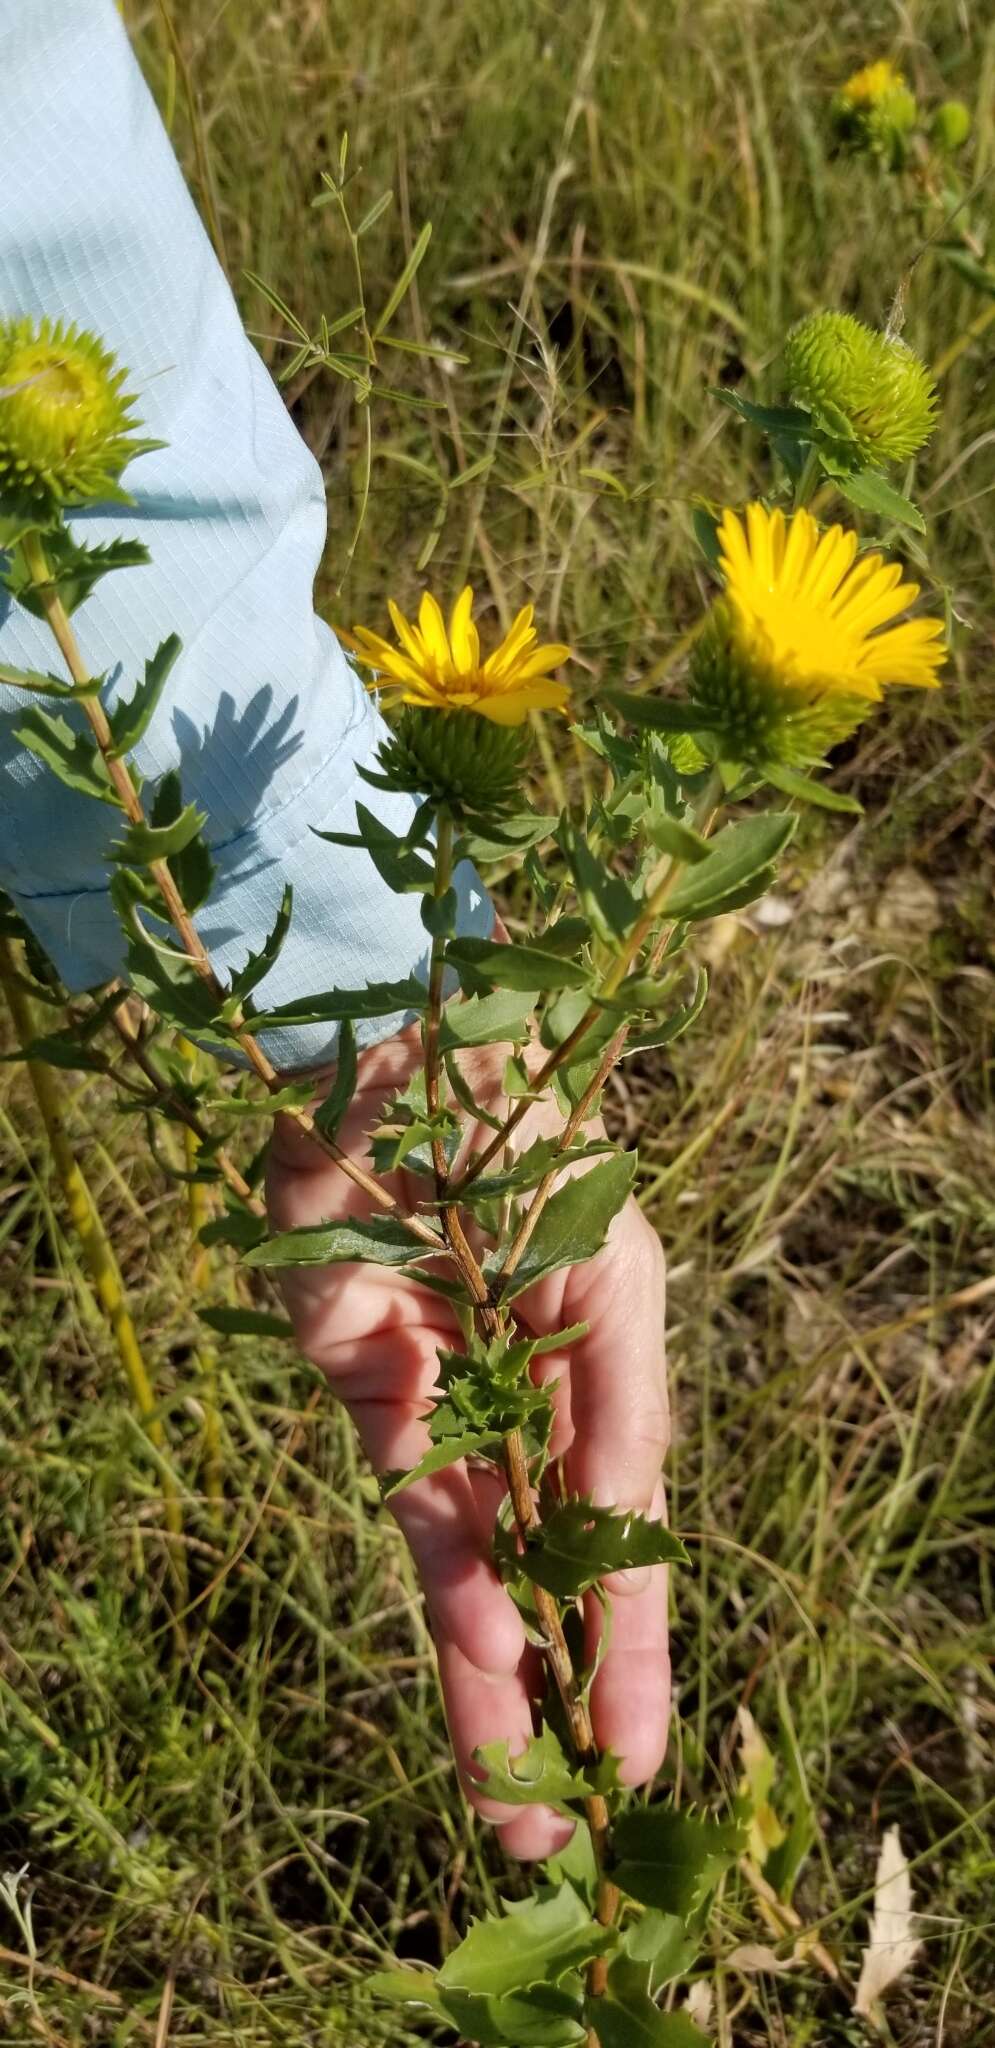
[872, 84]
[875, 111]
[805, 638]
[440, 668]
[821, 617]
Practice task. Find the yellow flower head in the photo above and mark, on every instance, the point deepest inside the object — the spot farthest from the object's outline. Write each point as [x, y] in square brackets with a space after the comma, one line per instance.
[441, 669]
[872, 84]
[806, 637]
[875, 111]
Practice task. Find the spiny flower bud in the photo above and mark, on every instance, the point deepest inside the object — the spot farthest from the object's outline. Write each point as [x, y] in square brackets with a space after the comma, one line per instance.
[66, 422]
[950, 126]
[466, 763]
[876, 112]
[879, 384]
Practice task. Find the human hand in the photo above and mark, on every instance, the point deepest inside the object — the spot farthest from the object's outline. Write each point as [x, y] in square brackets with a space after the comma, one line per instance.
[376, 1338]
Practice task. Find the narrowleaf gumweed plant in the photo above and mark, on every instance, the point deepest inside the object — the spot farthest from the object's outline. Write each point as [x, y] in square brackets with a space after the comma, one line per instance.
[807, 631]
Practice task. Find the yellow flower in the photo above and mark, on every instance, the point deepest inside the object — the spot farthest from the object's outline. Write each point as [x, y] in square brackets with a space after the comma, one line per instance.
[442, 670]
[824, 620]
[872, 84]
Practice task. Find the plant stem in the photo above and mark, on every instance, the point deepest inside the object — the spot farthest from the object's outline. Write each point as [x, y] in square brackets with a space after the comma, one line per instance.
[37, 564]
[96, 1247]
[705, 814]
[808, 481]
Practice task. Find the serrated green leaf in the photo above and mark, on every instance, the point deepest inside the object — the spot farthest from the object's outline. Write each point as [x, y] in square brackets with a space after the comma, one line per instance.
[662, 1944]
[786, 420]
[660, 714]
[577, 1544]
[46, 685]
[668, 835]
[608, 901]
[258, 965]
[397, 863]
[192, 868]
[541, 1775]
[335, 1005]
[76, 569]
[573, 1225]
[449, 1452]
[484, 962]
[130, 720]
[56, 1050]
[375, 1240]
[873, 493]
[487, 1020]
[141, 845]
[791, 782]
[539, 1943]
[72, 756]
[329, 1114]
[405, 1987]
[626, 2016]
[245, 1322]
[671, 1859]
[495, 842]
[239, 1228]
[739, 857]
[531, 1167]
[544, 2016]
[672, 1027]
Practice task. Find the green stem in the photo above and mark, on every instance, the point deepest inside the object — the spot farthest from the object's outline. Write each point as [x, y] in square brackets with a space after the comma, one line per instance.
[809, 480]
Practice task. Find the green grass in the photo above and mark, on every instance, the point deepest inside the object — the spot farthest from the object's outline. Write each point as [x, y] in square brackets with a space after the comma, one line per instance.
[225, 1834]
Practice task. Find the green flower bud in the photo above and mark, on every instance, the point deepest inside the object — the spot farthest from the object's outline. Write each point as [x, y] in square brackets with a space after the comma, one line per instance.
[66, 422]
[950, 126]
[833, 363]
[762, 715]
[463, 761]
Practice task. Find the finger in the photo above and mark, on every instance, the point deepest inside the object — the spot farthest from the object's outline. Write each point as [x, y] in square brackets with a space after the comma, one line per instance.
[618, 1388]
[482, 1710]
[630, 1696]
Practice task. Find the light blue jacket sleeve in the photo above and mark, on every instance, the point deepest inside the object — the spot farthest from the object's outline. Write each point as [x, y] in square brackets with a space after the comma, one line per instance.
[262, 713]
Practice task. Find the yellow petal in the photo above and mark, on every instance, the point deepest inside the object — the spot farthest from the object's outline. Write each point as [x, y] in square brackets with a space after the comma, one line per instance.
[512, 707]
[409, 639]
[520, 635]
[463, 637]
[433, 630]
[537, 663]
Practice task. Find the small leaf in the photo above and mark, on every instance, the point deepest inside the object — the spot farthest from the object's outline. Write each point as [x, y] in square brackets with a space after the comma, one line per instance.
[438, 1458]
[792, 783]
[141, 845]
[574, 1224]
[405, 1987]
[397, 863]
[130, 720]
[626, 2016]
[873, 493]
[543, 2016]
[377, 999]
[245, 1322]
[668, 835]
[484, 962]
[257, 965]
[377, 1240]
[531, 1167]
[45, 685]
[487, 1020]
[237, 1227]
[785, 420]
[542, 1941]
[671, 1859]
[607, 900]
[60, 1051]
[494, 842]
[576, 1544]
[329, 1114]
[540, 1775]
[405, 280]
[739, 857]
[660, 714]
[72, 756]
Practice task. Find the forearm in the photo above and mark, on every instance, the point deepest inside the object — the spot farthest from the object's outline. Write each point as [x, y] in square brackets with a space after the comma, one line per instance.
[262, 715]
